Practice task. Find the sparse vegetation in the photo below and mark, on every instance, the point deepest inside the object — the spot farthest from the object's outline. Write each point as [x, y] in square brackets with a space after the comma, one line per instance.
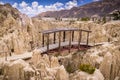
[69, 68]
[104, 20]
[116, 15]
[87, 68]
[71, 22]
[85, 19]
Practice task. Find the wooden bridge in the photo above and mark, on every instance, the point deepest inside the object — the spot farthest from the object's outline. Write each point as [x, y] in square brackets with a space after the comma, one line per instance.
[62, 39]
[59, 41]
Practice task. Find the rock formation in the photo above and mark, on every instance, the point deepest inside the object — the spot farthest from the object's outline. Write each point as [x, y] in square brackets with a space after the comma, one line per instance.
[20, 34]
[85, 76]
[21, 70]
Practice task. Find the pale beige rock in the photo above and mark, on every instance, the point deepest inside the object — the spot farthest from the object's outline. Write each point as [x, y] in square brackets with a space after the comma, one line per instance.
[14, 70]
[28, 73]
[105, 66]
[62, 74]
[54, 62]
[97, 75]
[36, 57]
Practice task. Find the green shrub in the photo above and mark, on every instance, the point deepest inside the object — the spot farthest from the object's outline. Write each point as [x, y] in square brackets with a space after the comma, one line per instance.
[87, 68]
[69, 68]
[71, 22]
[85, 19]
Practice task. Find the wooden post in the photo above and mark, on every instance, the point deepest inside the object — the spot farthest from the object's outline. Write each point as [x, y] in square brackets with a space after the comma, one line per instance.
[64, 35]
[54, 37]
[72, 35]
[43, 40]
[69, 41]
[47, 42]
[31, 44]
[59, 42]
[87, 38]
[79, 40]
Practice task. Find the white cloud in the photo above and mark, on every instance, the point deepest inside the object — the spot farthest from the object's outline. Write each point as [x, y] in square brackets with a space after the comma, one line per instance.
[1, 2]
[35, 8]
[50, 8]
[54, 7]
[41, 8]
[58, 4]
[34, 4]
[71, 4]
[15, 5]
[29, 9]
[96, 0]
[23, 4]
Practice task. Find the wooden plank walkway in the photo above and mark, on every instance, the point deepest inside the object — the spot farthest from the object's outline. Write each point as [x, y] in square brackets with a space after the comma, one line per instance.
[43, 50]
[63, 44]
[16, 57]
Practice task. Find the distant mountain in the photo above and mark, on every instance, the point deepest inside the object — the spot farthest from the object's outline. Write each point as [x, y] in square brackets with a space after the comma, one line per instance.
[100, 8]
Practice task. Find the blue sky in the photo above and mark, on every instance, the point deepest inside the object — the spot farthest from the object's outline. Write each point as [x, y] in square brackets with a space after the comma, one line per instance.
[34, 7]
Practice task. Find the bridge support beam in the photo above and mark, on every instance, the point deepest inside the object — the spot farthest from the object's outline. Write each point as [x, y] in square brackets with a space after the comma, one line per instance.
[54, 38]
[47, 42]
[42, 40]
[69, 41]
[79, 39]
[64, 36]
[87, 38]
[61, 39]
[72, 35]
[59, 42]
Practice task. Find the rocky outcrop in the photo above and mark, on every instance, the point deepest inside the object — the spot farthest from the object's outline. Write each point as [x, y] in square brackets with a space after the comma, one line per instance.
[21, 70]
[17, 70]
[105, 66]
[113, 30]
[97, 75]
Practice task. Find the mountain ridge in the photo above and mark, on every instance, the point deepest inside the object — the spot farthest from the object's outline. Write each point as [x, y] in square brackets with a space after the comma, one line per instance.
[100, 8]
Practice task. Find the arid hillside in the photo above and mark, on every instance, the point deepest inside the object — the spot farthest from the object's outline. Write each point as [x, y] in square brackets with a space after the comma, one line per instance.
[101, 8]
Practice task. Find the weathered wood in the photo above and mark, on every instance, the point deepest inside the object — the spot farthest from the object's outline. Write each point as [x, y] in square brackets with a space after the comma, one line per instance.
[42, 40]
[63, 32]
[72, 35]
[63, 29]
[59, 42]
[47, 42]
[87, 38]
[69, 41]
[54, 37]
[79, 39]
[63, 44]
[64, 36]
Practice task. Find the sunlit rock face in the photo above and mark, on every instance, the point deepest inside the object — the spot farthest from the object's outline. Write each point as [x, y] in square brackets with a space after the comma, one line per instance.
[103, 57]
[18, 32]
[113, 30]
[17, 70]
[106, 65]
[47, 68]
[109, 66]
[97, 75]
